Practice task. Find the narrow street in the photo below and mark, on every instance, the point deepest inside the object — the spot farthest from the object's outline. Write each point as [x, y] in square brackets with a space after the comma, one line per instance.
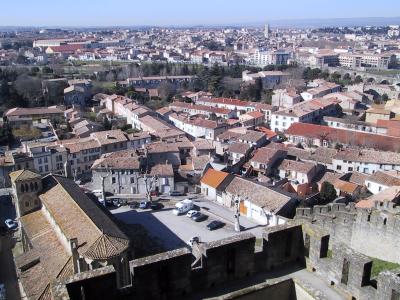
[7, 268]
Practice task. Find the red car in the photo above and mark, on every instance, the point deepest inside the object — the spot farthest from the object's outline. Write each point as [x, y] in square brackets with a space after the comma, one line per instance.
[154, 193]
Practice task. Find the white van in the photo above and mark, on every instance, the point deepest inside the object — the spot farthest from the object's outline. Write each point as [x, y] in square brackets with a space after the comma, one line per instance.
[182, 207]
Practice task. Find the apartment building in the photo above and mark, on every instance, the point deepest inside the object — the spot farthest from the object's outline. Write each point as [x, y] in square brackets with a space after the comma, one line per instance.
[195, 109]
[366, 60]
[285, 98]
[310, 111]
[241, 107]
[197, 126]
[83, 152]
[48, 158]
[365, 161]
[320, 89]
[270, 79]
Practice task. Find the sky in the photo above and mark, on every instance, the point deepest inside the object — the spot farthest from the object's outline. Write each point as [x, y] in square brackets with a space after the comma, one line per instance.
[184, 12]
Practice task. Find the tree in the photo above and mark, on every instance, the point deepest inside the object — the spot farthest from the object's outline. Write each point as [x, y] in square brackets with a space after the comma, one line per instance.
[106, 124]
[358, 79]
[30, 88]
[150, 183]
[328, 192]
[166, 91]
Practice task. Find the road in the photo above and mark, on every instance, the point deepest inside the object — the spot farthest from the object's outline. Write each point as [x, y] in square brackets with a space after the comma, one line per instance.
[174, 231]
[7, 270]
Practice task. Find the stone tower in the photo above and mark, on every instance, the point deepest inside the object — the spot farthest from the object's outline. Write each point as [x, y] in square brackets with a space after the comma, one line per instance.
[26, 186]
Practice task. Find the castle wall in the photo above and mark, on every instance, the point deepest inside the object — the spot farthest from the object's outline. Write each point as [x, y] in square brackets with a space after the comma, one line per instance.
[371, 232]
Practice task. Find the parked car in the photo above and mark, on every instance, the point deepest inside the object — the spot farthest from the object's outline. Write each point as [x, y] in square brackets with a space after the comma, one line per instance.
[11, 224]
[97, 193]
[191, 213]
[134, 205]
[199, 217]
[156, 206]
[144, 205]
[116, 202]
[193, 240]
[176, 193]
[182, 207]
[215, 225]
[154, 193]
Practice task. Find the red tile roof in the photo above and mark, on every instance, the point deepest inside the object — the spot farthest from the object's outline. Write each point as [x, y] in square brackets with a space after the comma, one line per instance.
[343, 136]
[214, 178]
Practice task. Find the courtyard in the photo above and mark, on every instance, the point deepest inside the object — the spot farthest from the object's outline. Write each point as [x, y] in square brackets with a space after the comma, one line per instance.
[174, 231]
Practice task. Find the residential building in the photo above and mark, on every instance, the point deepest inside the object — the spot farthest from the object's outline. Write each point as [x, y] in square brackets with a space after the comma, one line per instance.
[325, 136]
[198, 127]
[366, 60]
[265, 159]
[382, 180]
[213, 183]
[269, 79]
[48, 158]
[365, 161]
[265, 205]
[194, 109]
[297, 171]
[285, 98]
[310, 111]
[320, 89]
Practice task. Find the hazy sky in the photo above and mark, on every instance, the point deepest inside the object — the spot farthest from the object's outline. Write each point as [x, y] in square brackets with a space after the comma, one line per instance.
[184, 12]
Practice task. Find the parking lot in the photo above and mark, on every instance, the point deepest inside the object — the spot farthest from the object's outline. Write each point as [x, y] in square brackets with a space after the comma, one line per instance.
[174, 231]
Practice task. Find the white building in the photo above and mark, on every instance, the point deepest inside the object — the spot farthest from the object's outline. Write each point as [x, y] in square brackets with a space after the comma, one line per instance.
[380, 181]
[365, 161]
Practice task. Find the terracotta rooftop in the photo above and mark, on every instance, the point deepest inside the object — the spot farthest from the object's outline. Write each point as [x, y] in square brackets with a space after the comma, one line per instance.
[262, 196]
[47, 260]
[297, 166]
[343, 136]
[214, 178]
[77, 215]
[21, 175]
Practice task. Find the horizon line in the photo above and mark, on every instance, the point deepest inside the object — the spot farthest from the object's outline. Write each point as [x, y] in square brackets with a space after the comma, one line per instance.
[229, 24]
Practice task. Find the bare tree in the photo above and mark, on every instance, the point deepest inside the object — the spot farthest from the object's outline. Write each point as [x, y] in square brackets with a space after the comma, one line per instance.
[150, 182]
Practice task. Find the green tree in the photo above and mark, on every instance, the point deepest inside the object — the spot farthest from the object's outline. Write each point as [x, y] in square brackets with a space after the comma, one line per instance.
[328, 192]
[358, 79]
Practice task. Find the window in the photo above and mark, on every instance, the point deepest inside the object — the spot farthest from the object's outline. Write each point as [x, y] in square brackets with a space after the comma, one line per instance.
[113, 180]
[338, 167]
[46, 167]
[132, 180]
[350, 169]
[26, 203]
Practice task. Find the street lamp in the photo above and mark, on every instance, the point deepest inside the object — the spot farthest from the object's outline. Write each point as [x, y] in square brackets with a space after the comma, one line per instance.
[237, 213]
